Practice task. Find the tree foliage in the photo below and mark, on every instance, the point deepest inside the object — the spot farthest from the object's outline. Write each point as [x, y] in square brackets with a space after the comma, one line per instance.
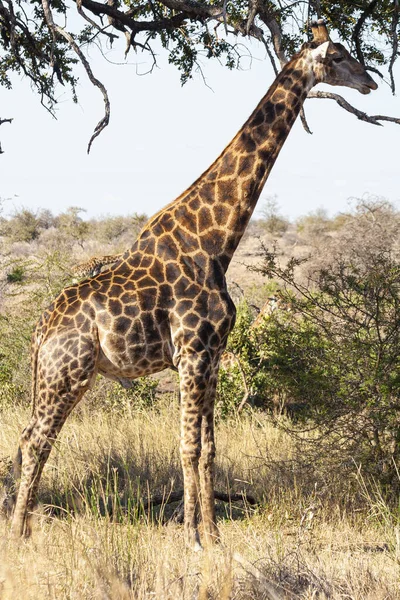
[44, 39]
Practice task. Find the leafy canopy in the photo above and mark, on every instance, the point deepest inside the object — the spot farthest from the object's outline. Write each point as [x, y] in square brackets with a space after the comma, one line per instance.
[45, 39]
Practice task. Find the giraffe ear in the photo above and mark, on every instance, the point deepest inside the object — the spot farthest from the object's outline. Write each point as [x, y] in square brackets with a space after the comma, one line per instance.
[320, 52]
[320, 32]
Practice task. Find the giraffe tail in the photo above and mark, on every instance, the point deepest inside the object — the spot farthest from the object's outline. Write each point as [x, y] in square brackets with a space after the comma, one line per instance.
[35, 346]
[34, 359]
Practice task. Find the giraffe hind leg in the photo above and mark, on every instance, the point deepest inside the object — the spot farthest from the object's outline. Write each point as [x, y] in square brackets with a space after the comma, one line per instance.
[36, 443]
[55, 402]
[9, 493]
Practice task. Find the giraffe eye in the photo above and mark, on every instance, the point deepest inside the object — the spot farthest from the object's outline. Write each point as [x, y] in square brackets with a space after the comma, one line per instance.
[339, 59]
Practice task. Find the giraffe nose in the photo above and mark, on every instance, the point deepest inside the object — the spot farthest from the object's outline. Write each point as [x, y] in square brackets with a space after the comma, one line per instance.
[371, 83]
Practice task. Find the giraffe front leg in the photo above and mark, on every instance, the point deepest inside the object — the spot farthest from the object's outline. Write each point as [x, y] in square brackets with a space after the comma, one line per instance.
[207, 458]
[194, 371]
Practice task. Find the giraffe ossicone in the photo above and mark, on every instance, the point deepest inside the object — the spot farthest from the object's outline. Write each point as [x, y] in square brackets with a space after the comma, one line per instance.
[165, 303]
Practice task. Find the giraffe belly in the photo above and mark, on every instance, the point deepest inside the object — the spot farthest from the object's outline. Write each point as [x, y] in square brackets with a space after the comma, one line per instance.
[113, 367]
[139, 350]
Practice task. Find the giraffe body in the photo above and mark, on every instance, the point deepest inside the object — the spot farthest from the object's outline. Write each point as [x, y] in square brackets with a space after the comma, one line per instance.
[165, 302]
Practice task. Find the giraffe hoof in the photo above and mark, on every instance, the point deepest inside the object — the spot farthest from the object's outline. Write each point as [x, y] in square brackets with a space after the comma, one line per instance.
[193, 541]
[7, 506]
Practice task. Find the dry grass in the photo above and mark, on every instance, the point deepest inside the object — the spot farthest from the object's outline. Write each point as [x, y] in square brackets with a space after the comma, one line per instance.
[301, 542]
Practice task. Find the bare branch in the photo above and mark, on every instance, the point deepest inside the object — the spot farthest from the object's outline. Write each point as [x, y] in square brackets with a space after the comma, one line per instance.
[374, 119]
[304, 121]
[54, 28]
[395, 39]
[1, 123]
[276, 35]
[357, 30]
[191, 7]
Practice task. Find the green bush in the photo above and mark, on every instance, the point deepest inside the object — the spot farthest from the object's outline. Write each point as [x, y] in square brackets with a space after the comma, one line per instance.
[337, 357]
[16, 275]
[329, 355]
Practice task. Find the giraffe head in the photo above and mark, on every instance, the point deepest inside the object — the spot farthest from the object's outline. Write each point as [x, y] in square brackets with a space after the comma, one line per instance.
[333, 64]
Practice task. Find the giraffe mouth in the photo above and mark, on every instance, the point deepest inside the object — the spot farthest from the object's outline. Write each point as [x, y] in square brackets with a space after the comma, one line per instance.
[365, 90]
[367, 87]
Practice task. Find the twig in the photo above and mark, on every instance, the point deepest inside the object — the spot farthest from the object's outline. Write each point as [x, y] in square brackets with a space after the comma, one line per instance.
[270, 591]
[374, 119]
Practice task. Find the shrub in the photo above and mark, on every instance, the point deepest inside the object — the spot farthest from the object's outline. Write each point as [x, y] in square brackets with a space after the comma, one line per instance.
[16, 275]
[338, 356]
[273, 221]
[330, 354]
[23, 226]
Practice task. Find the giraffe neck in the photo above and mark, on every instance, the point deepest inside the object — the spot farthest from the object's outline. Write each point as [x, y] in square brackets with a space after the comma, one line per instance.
[241, 171]
[212, 215]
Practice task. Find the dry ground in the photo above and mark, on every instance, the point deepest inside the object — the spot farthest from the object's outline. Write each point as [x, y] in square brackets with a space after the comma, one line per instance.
[102, 542]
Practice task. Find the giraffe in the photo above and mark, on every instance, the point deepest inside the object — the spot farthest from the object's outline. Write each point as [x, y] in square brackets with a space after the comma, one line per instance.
[165, 303]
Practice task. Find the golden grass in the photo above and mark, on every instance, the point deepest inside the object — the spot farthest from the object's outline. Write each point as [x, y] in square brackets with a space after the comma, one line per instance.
[103, 543]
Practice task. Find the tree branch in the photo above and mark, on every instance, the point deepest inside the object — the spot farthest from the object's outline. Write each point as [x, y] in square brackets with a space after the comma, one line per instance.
[95, 25]
[54, 28]
[374, 119]
[1, 123]
[357, 30]
[395, 39]
[125, 18]
[253, 8]
[276, 34]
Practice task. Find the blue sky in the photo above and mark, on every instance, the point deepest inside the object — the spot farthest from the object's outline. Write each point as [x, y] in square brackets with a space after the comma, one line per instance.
[162, 136]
